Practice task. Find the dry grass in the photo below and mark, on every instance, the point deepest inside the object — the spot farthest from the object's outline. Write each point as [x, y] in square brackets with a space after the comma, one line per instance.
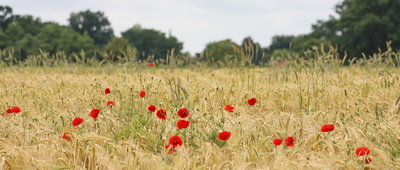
[360, 102]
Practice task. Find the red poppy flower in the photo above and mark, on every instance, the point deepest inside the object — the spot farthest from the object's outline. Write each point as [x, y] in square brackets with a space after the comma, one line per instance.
[77, 121]
[362, 151]
[162, 114]
[16, 110]
[225, 135]
[151, 108]
[368, 160]
[182, 124]
[183, 113]
[9, 111]
[107, 90]
[229, 108]
[277, 142]
[289, 141]
[13, 110]
[170, 148]
[327, 128]
[151, 65]
[252, 101]
[142, 93]
[95, 113]
[175, 141]
[67, 136]
[111, 103]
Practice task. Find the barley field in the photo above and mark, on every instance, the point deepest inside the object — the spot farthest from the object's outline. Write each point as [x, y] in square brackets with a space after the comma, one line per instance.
[362, 104]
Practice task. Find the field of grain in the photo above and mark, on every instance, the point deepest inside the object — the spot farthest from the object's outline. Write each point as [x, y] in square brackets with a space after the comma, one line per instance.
[361, 102]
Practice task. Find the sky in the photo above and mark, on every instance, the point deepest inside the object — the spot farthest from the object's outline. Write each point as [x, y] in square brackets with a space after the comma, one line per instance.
[193, 22]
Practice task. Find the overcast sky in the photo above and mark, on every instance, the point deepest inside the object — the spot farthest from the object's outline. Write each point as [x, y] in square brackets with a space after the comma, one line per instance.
[193, 22]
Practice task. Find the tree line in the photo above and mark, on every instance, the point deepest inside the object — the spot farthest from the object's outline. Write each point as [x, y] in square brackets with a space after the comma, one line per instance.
[361, 30]
[87, 31]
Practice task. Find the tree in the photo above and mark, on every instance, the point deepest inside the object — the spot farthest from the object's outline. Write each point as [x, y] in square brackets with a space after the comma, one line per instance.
[95, 24]
[21, 26]
[303, 43]
[30, 24]
[252, 50]
[371, 25]
[14, 32]
[362, 27]
[282, 54]
[3, 39]
[151, 42]
[21, 35]
[54, 38]
[326, 30]
[280, 42]
[217, 51]
[6, 16]
[28, 45]
[117, 47]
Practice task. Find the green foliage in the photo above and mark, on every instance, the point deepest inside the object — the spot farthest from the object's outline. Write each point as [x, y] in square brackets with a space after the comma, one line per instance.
[3, 39]
[361, 31]
[303, 43]
[54, 38]
[6, 16]
[117, 46]
[252, 50]
[14, 32]
[218, 52]
[367, 26]
[21, 35]
[280, 46]
[118, 49]
[326, 30]
[362, 27]
[282, 54]
[95, 24]
[281, 42]
[14, 28]
[28, 45]
[151, 42]
[29, 24]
